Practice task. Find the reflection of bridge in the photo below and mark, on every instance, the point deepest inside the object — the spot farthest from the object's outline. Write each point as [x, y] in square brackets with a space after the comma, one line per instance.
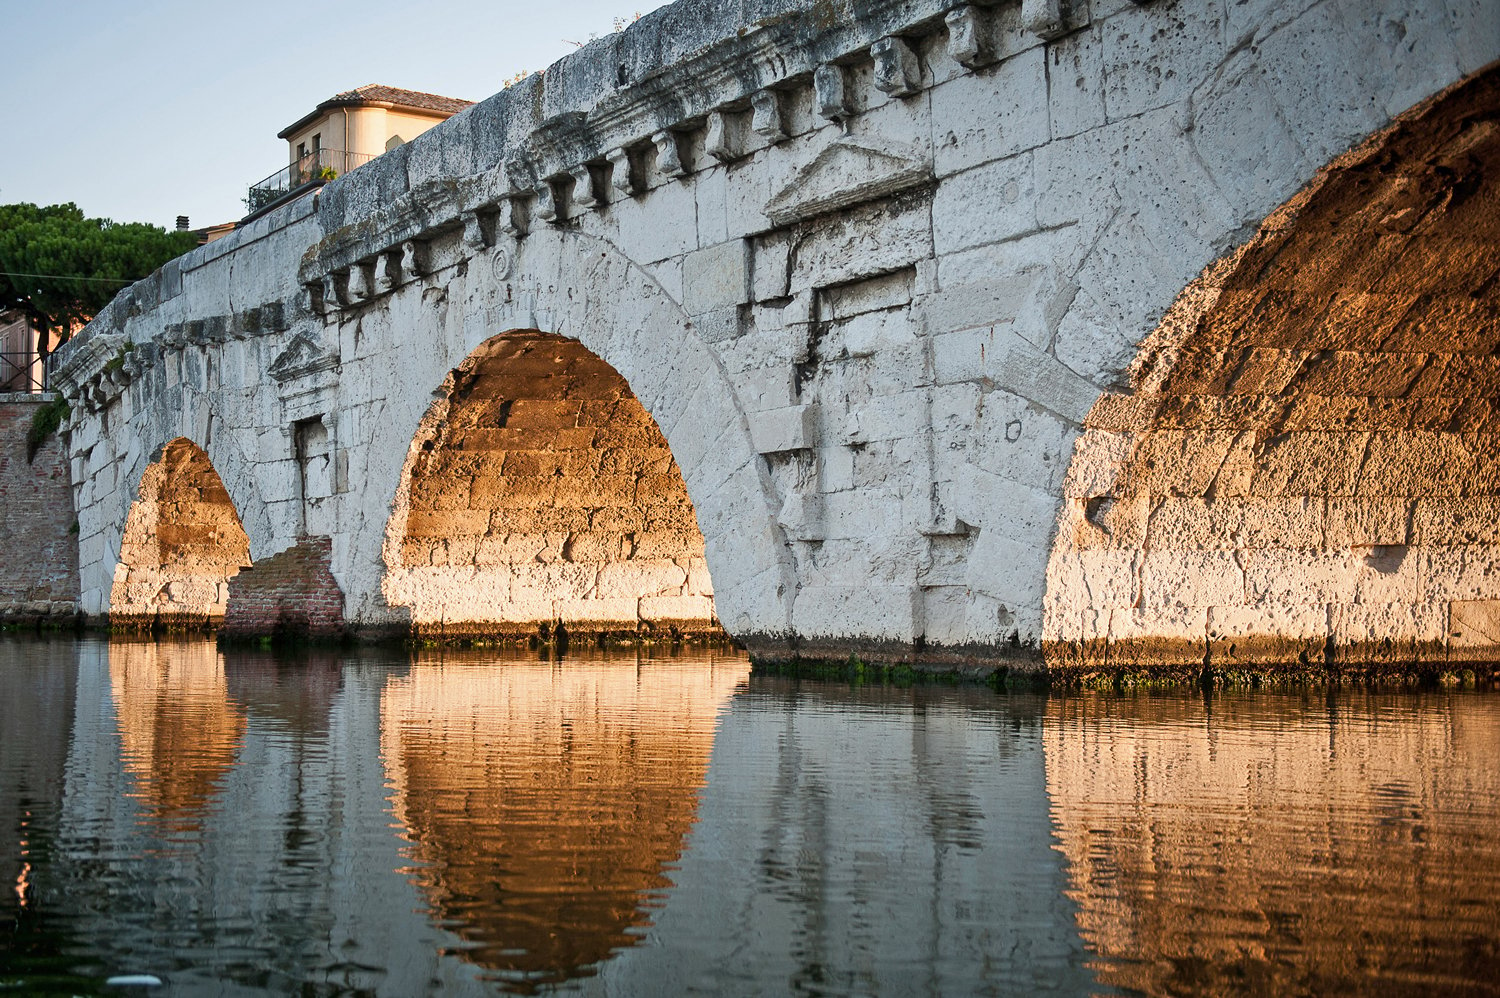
[660, 826]
[878, 297]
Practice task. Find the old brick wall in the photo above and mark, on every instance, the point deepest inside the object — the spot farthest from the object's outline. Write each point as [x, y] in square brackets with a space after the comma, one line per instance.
[291, 594]
[38, 543]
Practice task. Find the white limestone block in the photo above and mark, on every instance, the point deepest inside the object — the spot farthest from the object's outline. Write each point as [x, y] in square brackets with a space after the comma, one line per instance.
[793, 427]
[890, 613]
[716, 276]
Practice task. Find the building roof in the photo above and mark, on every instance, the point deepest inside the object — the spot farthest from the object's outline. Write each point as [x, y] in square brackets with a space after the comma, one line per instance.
[380, 94]
[376, 94]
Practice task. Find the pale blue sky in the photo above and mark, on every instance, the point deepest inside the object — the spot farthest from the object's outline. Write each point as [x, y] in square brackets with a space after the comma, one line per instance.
[143, 111]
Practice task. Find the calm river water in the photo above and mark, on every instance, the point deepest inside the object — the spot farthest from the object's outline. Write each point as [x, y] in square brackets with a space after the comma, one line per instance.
[376, 823]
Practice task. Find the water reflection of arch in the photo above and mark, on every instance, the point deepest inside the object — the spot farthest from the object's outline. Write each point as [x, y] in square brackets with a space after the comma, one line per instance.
[546, 805]
[868, 841]
[1276, 844]
[179, 729]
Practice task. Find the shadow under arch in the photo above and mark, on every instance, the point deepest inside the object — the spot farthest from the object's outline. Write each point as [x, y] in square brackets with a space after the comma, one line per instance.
[581, 288]
[181, 543]
[1304, 469]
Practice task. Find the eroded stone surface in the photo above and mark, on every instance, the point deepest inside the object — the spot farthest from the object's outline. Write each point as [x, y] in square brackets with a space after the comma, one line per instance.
[539, 490]
[868, 274]
[1309, 443]
[182, 543]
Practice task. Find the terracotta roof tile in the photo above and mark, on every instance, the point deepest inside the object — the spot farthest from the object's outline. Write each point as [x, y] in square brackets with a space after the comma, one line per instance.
[395, 95]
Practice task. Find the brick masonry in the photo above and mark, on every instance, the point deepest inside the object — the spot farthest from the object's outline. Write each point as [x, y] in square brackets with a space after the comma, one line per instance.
[38, 541]
[291, 594]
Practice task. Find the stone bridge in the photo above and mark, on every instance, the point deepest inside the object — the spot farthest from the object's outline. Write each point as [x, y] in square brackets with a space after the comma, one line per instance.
[1092, 332]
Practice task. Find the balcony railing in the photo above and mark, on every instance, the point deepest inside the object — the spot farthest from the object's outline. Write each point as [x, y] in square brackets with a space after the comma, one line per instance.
[313, 169]
[20, 372]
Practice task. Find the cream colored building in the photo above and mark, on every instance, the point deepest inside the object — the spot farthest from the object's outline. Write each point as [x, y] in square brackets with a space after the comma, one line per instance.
[357, 125]
[346, 131]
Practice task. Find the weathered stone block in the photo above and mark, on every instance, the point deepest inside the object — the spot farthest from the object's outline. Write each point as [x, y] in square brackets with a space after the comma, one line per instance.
[832, 610]
[1450, 521]
[1191, 578]
[1240, 635]
[1160, 636]
[991, 115]
[1097, 578]
[716, 277]
[1467, 572]
[1233, 523]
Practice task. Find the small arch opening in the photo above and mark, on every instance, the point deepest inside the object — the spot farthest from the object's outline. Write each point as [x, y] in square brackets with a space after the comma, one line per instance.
[183, 541]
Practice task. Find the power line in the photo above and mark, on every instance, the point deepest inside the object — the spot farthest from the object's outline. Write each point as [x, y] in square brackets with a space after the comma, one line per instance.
[67, 277]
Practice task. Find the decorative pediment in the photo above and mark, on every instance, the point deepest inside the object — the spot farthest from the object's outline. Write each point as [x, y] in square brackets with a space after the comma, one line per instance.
[849, 172]
[302, 356]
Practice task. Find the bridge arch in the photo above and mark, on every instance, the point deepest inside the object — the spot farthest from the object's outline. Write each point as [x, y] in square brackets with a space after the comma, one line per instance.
[181, 543]
[564, 299]
[537, 490]
[1304, 467]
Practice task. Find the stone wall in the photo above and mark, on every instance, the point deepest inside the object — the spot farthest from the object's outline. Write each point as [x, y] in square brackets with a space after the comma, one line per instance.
[1306, 467]
[38, 535]
[868, 268]
[182, 542]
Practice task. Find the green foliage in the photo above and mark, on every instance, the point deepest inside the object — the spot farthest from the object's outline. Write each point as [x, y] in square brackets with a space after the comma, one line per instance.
[84, 262]
[259, 197]
[118, 360]
[44, 423]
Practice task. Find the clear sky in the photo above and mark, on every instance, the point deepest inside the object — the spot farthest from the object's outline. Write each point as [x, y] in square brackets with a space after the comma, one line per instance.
[142, 111]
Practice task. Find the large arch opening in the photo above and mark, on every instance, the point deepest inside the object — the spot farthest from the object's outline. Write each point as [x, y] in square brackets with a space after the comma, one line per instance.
[1305, 468]
[539, 493]
[182, 542]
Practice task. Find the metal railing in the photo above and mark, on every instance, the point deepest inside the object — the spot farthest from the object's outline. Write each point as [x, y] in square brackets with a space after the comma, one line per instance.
[20, 371]
[316, 167]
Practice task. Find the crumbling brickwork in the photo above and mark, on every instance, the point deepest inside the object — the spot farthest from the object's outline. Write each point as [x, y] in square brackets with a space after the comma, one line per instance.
[291, 594]
[38, 539]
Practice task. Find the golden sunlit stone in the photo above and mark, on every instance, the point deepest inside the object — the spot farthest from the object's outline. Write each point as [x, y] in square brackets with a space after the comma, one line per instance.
[540, 490]
[182, 543]
[1305, 470]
